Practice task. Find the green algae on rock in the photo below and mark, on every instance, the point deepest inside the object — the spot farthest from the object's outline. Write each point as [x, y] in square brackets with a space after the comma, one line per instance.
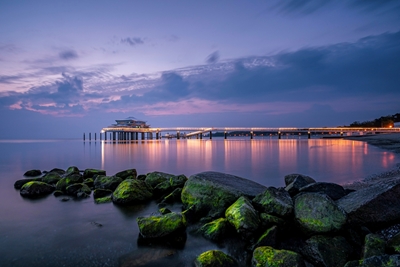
[127, 174]
[71, 170]
[215, 258]
[89, 173]
[101, 200]
[266, 256]
[69, 180]
[107, 182]
[215, 230]
[275, 201]
[33, 173]
[35, 189]
[74, 189]
[51, 178]
[160, 226]
[154, 178]
[374, 245]
[132, 191]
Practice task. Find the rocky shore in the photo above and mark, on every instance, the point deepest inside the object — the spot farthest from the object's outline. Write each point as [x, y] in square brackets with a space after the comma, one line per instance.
[389, 141]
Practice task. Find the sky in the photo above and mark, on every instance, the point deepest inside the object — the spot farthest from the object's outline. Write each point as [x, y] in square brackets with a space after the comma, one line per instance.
[69, 67]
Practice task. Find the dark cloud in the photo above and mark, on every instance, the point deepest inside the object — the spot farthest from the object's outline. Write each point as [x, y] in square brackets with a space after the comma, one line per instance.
[68, 54]
[132, 41]
[372, 4]
[213, 57]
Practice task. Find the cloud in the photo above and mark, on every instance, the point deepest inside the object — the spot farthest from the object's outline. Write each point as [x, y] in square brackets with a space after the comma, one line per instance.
[68, 54]
[132, 41]
[213, 57]
[301, 6]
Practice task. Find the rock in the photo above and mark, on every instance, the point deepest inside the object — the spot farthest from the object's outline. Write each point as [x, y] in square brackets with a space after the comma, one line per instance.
[374, 246]
[334, 191]
[290, 178]
[275, 202]
[57, 170]
[318, 213]
[268, 256]
[82, 195]
[32, 173]
[71, 170]
[164, 211]
[98, 193]
[89, 182]
[327, 251]
[243, 217]
[154, 178]
[74, 189]
[132, 191]
[101, 200]
[374, 206]
[69, 180]
[35, 189]
[268, 238]
[19, 183]
[394, 243]
[211, 193]
[142, 177]
[215, 258]
[175, 196]
[377, 261]
[65, 199]
[130, 173]
[107, 182]
[267, 221]
[215, 230]
[51, 178]
[58, 193]
[89, 173]
[160, 226]
[170, 185]
[300, 181]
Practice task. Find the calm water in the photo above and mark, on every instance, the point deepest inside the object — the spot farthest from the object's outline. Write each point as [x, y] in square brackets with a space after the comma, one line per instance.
[48, 232]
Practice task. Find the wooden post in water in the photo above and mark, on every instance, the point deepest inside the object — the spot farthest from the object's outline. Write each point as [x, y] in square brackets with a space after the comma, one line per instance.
[201, 136]
[309, 135]
[83, 136]
[251, 135]
[177, 135]
[225, 135]
[279, 135]
[95, 137]
[90, 136]
[210, 135]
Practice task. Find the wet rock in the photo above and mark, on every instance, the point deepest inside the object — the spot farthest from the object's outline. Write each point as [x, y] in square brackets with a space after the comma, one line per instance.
[377, 261]
[19, 183]
[374, 206]
[374, 246]
[65, 199]
[275, 202]
[164, 211]
[67, 181]
[327, 251]
[89, 182]
[98, 193]
[58, 193]
[215, 230]
[132, 191]
[215, 258]
[175, 196]
[101, 200]
[211, 193]
[334, 191]
[268, 238]
[71, 170]
[130, 173]
[32, 173]
[268, 256]
[142, 177]
[160, 226]
[291, 177]
[89, 173]
[394, 243]
[170, 185]
[298, 182]
[267, 221]
[107, 182]
[35, 189]
[154, 178]
[243, 217]
[58, 171]
[318, 213]
[51, 178]
[74, 189]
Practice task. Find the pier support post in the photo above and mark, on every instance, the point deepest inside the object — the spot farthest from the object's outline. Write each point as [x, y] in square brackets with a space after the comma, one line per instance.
[142, 136]
[90, 136]
[225, 135]
[177, 135]
[309, 135]
[210, 135]
[201, 136]
[83, 136]
[251, 135]
[279, 135]
[105, 136]
[157, 135]
[114, 134]
[95, 136]
[137, 136]
[341, 133]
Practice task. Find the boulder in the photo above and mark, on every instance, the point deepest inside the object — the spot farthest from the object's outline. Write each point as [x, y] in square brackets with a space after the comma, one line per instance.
[154, 178]
[89, 173]
[74, 189]
[71, 170]
[298, 182]
[243, 217]
[57, 170]
[374, 246]
[141, 177]
[101, 200]
[98, 193]
[268, 238]
[275, 202]
[327, 251]
[51, 178]
[267, 256]
[161, 226]
[394, 243]
[130, 173]
[377, 261]
[374, 206]
[170, 185]
[32, 173]
[215, 258]
[58, 193]
[290, 178]
[334, 191]
[164, 211]
[213, 192]
[107, 182]
[132, 191]
[69, 180]
[268, 221]
[89, 182]
[35, 189]
[175, 196]
[215, 230]
[317, 213]
[19, 183]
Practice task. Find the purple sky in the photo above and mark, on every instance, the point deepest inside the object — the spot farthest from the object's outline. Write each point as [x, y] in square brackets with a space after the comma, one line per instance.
[68, 67]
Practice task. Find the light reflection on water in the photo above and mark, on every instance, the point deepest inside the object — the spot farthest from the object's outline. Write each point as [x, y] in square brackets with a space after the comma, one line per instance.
[48, 232]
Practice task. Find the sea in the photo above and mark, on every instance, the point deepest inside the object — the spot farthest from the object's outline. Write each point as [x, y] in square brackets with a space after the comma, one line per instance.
[51, 232]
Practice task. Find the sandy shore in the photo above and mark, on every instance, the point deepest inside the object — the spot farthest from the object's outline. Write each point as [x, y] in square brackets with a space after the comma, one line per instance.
[389, 142]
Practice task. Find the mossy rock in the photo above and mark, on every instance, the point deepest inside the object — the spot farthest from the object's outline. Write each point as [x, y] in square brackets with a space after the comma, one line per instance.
[168, 186]
[69, 180]
[35, 189]
[33, 173]
[164, 211]
[216, 230]
[99, 193]
[374, 246]
[19, 183]
[58, 193]
[130, 173]
[141, 177]
[268, 221]
[268, 238]
[58, 170]
[266, 256]
[75, 189]
[291, 177]
[107, 182]
[89, 173]
[175, 196]
[154, 178]
[215, 258]
[102, 200]
[317, 213]
[132, 191]
[243, 217]
[89, 182]
[161, 226]
[275, 202]
[71, 170]
[51, 178]
[394, 243]
[377, 261]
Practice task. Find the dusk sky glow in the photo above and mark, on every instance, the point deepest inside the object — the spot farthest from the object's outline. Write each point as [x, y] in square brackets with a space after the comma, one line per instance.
[68, 67]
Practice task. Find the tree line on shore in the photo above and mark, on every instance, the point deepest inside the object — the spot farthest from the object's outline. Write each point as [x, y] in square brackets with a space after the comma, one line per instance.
[384, 121]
